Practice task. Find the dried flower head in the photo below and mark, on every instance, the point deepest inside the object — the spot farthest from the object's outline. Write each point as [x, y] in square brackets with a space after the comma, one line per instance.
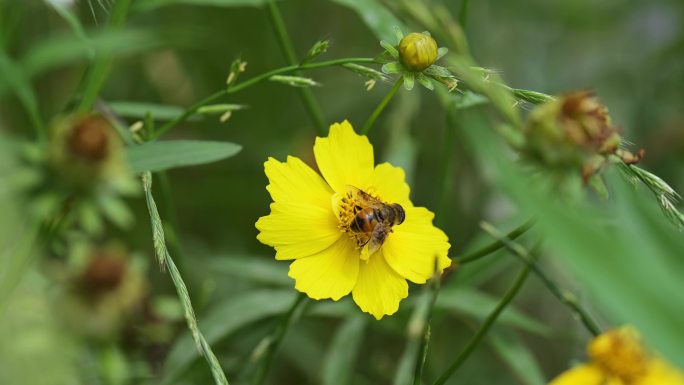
[575, 132]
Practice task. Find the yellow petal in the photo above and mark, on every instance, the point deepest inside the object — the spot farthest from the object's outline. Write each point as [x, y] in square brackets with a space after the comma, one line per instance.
[660, 372]
[331, 273]
[412, 247]
[295, 182]
[344, 157]
[390, 185]
[379, 289]
[298, 230]
[586, 374]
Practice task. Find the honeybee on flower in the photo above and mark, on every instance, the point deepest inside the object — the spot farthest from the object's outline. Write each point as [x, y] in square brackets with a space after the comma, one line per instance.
[353, 230]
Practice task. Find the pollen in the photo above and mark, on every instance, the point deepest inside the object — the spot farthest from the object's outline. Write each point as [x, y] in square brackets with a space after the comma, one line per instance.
[346, 206]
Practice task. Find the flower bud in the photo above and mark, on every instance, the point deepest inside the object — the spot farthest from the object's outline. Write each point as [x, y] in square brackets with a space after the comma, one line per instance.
[417, 51]
[86, 150]
[573, 131]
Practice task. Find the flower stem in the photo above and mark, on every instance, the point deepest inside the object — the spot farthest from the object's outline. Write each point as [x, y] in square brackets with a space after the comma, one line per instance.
[288, 50]
[100, 69]
[276, 338]
[488, 249]
[250, 82]
[479, 335]
[425, 340]
[369, 123]
[564, 297]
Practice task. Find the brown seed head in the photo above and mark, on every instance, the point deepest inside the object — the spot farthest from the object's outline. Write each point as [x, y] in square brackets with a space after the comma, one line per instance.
[89, 139]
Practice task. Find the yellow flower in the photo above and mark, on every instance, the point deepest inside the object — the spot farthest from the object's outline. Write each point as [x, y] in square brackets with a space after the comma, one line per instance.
[328, 260]
[619, 358]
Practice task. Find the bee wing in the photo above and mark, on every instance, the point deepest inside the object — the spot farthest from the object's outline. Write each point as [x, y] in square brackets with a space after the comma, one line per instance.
[365, 198]
[378, 237]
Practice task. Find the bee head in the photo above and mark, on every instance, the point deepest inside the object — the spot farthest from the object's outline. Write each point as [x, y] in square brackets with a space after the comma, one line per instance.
[401, 214]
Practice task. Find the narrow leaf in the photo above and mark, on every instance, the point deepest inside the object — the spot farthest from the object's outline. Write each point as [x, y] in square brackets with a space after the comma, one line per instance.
[159, 156]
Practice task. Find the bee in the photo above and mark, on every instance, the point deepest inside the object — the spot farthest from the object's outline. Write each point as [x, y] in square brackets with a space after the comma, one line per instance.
[373, 219]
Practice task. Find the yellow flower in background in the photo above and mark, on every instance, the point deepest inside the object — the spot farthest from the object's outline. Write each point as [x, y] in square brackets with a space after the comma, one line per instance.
[352, 230]
[618, 357]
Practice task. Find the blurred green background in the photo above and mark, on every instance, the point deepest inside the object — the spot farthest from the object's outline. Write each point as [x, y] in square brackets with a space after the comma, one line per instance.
[630, 52]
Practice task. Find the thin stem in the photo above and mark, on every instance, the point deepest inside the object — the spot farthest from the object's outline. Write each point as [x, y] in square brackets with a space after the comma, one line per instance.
[285, 42]
[565, 298]
[276, 338]
[369, 123]
[445, 164]
[479, 335]
[495, 246]
[251, 82]
[463, 14]
[425, 340]
[100, 69]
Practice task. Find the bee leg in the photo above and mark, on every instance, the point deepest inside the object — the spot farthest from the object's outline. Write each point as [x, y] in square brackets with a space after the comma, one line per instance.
[378, 237]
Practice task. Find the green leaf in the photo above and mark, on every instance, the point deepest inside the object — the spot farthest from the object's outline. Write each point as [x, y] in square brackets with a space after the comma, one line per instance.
[376, 16]
[253, 268]
[15, 77]
[56, 52]
[478, 304]
[139, 110]
[149, 5]
[338, 367]
[517, 356]
[222, 321]
[159, 156]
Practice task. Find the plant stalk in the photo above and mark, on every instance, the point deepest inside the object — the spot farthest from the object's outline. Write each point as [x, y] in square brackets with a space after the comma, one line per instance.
[480, 334]
[564, 297]
[378, 110]
[251, 82]
[312, 106]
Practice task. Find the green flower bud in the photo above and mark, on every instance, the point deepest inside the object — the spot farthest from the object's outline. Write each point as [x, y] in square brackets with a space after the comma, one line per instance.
[417, 51]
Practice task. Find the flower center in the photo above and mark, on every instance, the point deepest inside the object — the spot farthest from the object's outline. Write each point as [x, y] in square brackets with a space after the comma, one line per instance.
[620, 354]
[365, 218]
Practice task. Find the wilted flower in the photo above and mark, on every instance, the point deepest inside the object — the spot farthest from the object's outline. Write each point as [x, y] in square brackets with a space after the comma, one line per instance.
[414, 59]
[105, 289]
[618, 357]
[575, 132]
[354, 230]
[86, 150]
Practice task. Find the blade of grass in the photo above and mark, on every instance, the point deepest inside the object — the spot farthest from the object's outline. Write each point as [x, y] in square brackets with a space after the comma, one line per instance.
[100, 69]
[165, 261]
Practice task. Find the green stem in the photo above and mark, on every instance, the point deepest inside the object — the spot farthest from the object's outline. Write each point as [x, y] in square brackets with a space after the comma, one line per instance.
[495, 246]
[425, 340]
[251, 82]
[479, 335]
[100, 69]
[463, 14]
[369, 123]
[565, 298]
[276, 338]
[285, 42]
